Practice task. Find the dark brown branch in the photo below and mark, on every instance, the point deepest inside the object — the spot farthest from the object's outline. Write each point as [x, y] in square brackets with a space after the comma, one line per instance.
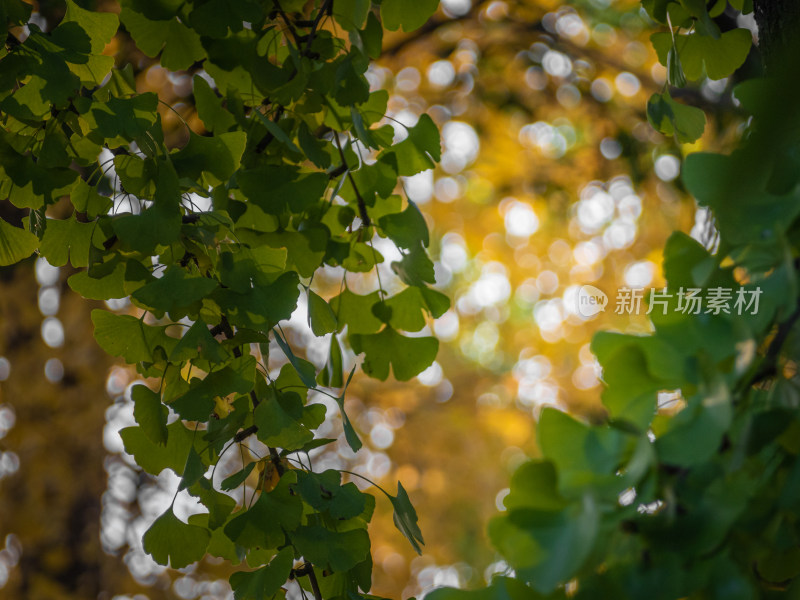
[265, 141]
[362, 206]
[337, 171]
[304, 52]
[312, 578]
[288, 22]
[768, 367]
[326, 6]
[245, 433]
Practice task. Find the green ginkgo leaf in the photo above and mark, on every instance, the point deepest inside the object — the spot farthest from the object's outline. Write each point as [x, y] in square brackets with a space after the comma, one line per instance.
[405, 518]
[150, 413]
[171, 541]
[15, 244]
[397, 14]
[263, 583]
[407, 356]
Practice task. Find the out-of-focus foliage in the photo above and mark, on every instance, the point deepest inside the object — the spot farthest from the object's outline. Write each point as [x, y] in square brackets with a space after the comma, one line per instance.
[695, 497]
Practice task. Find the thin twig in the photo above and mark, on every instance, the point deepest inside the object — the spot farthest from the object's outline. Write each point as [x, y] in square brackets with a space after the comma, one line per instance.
[362, 206]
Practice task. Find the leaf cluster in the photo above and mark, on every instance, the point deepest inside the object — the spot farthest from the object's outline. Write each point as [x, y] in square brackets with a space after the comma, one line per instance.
[299, 175]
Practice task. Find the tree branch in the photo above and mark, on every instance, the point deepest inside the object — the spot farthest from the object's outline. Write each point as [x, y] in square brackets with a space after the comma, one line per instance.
[362, 206]
[768, 367]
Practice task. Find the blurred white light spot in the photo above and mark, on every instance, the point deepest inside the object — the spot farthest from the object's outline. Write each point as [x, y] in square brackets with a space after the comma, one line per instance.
[627, 84]
[461, 145]
[54, 370]
[456, 8]
[620, 234]
[667, 167]
[431, 376]
[197, 203]
[548, 314]
[5, 368]
[536, 394]
[630, 207]
[447, 189]
[601, 89]
[441, 73]
[570, 25]
[381, 436]
[401, 122]
[547, 282]
[550, 140]
[454, 252]
[446, 327]
[604, 34]
[419, 187]
[595, 211]
[535, 78]
[520, 220]
[7, 419]
[610, 148]
[116, 382]
[444, 391]
[407, 79]
[46, 274]
[116, 304]
[501, 496]
[585, 377]
[627, 497]
[527, 292]
[486, 335]
[556, 63]
[492, 287]
[568, 96]
[534, 367]
[9, 464]
[640, 274]
[497, 10]
[48, 301]
[378, 465]
[53, 332]
[587, 253]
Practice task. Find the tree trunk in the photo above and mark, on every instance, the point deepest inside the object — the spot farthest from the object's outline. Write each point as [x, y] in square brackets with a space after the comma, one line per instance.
[778, 23]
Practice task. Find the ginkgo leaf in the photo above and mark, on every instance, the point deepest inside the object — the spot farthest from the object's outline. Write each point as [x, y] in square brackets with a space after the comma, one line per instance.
[174, 290]
[407, 356]
[405, 518]
[171, 541]
[321, 317]
[150, 413]
[128, 337]
[219, 505]
[15, 244]
[409, 16]
[154, 457]
[670, 117]
[406, 229]
[264, 582]
[337, 551]
[264, 523]
[209, 107]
